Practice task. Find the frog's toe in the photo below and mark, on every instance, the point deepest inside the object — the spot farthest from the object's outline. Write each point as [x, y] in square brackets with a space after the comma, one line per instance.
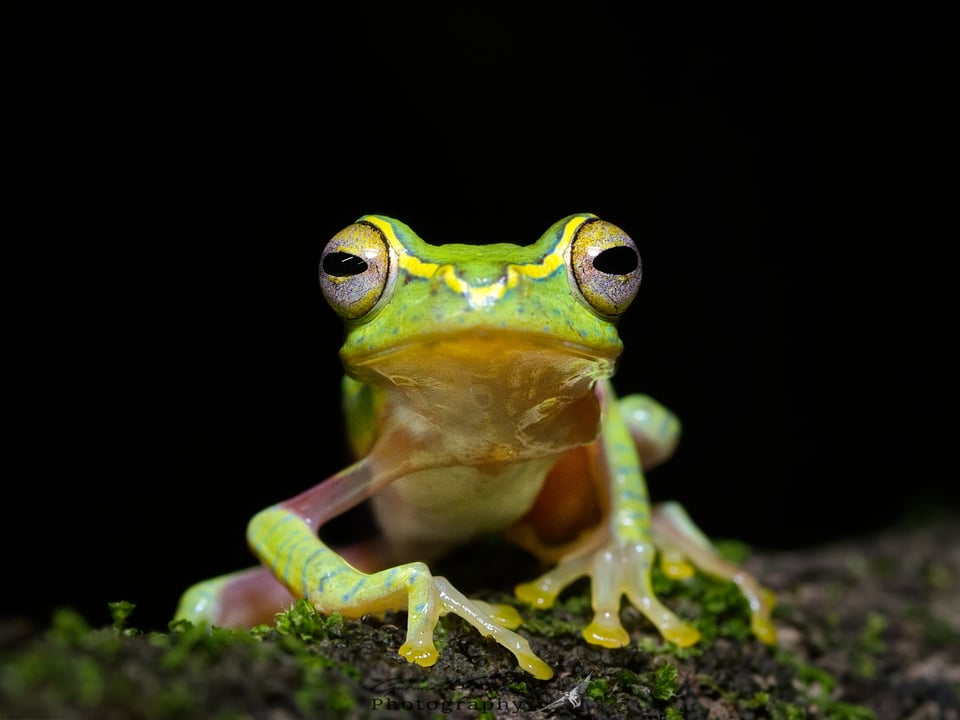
[671, 627]
[764, 630]
[421, 652]
[675, 566]
[536, 594]
[535, 666]
[504, 615]
[543, 591]
[682, 635]
[605, 630]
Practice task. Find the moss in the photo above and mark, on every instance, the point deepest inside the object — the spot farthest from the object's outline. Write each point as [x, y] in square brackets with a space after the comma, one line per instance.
[73, 669]
[875, 650]
[665, 682]
[820, 686]
[870, 646]
[598, 690]
[303, 622]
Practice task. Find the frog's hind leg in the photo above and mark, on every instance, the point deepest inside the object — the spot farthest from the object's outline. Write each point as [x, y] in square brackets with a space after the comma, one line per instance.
[239, 600]
[680, 542]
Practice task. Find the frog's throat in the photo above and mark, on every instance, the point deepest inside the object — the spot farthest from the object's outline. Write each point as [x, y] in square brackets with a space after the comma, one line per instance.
[485, 399]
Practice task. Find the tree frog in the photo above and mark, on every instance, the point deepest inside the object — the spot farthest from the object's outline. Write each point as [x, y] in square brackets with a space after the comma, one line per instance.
[478, 399]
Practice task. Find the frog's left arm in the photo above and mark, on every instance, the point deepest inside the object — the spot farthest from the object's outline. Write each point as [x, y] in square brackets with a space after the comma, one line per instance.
[619, 556]
[655, 432]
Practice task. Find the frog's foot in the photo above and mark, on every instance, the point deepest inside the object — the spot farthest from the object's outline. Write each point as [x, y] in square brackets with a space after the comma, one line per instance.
[615, 570]
[681, 543]
[411, 586]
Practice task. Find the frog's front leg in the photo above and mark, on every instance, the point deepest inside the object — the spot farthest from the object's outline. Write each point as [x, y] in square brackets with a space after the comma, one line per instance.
[284, 537]
[619, 557]
[249, 597]
[621, 564]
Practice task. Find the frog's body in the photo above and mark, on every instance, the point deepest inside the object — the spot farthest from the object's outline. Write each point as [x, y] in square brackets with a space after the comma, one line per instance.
[478, 400]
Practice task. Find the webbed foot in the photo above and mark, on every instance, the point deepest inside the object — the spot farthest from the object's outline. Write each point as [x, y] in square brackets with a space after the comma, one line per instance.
[615, 570]
[619, 569]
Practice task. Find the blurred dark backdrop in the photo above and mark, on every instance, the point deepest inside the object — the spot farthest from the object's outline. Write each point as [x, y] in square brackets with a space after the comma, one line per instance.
[172, 177]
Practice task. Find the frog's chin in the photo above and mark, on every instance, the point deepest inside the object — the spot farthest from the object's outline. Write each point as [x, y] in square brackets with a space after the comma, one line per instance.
[482, 353]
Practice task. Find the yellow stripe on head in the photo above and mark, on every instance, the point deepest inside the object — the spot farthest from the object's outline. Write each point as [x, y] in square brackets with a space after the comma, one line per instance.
[483, 294]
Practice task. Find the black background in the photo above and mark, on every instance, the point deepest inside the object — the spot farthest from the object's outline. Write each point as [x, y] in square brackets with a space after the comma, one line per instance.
[173, 175]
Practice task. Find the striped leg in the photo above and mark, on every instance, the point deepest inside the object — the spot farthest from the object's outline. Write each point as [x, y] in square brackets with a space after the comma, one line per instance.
[298, 564]
[622, 565]
[620, 558]
[310, 569]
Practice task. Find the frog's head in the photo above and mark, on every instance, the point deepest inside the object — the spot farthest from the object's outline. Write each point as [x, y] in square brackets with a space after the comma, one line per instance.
[410, 307]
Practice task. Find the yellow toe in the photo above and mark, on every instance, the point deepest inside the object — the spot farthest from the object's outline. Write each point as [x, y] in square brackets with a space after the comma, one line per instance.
[763, 629]
[677, 569]
[606, 635]
[682, 635]
[505, 615]
[422, 653]
[534, 595]
[535, 666]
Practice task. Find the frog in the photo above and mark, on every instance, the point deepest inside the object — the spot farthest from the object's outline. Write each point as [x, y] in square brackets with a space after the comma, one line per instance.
[478, 400]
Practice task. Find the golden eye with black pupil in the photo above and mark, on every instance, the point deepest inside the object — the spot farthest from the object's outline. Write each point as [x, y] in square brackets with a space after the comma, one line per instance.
[355, 270]
[340, 264]
[605, 264]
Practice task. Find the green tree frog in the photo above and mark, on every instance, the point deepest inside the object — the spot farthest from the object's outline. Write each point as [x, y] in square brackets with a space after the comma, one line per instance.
[478, 399]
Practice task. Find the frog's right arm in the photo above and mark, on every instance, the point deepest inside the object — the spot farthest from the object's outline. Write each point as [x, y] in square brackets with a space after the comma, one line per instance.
[284, 537]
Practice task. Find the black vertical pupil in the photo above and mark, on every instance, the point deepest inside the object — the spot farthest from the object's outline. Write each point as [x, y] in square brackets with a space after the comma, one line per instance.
[621, 260]
[341, 264]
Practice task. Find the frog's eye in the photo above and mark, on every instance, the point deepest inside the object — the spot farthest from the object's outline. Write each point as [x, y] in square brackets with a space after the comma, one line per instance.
[354, 270]
[605, 264]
